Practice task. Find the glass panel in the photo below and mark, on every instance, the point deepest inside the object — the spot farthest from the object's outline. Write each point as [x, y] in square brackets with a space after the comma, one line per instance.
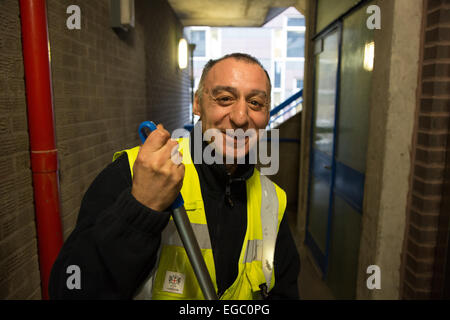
[356, 66]
[295, 44]
[318, 212]
[326, 62]
[344, 250]
[293, 73]
[278, 43]
[277, 78]
[198, 38]
[296, 22]
[324, 95]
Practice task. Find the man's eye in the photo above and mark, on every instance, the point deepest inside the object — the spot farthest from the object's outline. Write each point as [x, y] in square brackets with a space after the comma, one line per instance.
[256, 104]
[224, 100]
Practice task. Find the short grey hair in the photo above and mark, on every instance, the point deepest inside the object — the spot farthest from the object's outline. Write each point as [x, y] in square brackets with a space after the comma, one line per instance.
[237, 56]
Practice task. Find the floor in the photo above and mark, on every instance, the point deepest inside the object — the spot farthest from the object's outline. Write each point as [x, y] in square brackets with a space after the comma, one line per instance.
[310, 284]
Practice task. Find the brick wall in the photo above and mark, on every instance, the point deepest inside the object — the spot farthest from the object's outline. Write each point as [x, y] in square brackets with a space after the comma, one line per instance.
[104, 84]
[19, 270]
[426, 242]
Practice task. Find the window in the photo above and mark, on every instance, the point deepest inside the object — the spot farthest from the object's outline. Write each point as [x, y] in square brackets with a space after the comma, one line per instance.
[295, 44]
[296, 22]
[298, 84]
[198, 37]
[277, 77]
[276, 99]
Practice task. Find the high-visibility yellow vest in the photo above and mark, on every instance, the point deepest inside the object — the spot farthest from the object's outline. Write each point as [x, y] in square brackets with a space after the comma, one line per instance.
[173, 276]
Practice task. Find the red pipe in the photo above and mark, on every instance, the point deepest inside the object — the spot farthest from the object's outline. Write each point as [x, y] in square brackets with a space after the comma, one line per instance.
[44, 159]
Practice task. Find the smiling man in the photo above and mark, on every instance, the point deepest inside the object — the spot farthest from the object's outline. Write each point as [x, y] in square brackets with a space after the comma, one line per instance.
[234, 93]
[127, 247]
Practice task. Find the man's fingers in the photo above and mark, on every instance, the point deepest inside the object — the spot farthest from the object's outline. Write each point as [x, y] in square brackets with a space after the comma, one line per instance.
[156, 140]
[171, 151]
[175, 170]
[176, 156]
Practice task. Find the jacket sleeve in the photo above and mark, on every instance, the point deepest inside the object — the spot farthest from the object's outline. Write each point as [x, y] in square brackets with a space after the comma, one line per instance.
[286, 264]
[115, 241]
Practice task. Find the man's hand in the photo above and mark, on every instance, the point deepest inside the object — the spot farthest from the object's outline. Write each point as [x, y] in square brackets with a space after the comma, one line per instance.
[157, 180]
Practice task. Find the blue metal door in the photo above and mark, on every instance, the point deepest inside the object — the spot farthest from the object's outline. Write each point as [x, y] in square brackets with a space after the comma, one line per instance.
[343, 73]
[322, 145]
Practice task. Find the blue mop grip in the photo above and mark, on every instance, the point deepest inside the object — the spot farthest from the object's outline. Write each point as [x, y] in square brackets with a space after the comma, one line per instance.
[143, 135]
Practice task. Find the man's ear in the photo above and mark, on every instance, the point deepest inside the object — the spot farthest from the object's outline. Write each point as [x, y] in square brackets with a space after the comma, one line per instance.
[196, 107]
[268, 116]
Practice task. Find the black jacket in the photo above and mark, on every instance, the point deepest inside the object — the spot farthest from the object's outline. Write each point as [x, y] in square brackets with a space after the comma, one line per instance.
[116, 238]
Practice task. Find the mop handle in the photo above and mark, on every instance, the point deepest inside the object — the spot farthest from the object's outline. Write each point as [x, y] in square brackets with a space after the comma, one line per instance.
[186, 233]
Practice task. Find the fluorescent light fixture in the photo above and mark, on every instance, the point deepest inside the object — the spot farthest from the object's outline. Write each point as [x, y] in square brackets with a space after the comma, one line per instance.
[122, 14]
[182, 53]
[369, 56]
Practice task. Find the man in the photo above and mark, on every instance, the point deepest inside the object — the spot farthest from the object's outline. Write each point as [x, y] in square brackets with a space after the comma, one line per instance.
[124, 243]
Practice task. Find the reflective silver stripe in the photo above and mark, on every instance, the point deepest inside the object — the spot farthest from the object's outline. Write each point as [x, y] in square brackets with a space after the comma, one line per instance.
[170, 235]
[269, 221]
[253, 251]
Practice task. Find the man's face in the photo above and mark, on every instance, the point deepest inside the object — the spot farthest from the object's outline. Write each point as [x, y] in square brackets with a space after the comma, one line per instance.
[235, 96]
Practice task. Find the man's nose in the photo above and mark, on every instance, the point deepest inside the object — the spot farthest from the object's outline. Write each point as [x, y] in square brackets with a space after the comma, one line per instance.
[239, 114]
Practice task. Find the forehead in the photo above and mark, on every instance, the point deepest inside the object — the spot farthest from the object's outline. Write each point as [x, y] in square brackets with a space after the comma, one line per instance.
[239, 74]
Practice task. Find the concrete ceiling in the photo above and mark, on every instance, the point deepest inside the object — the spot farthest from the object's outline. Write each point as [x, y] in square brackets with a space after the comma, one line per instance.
[235, 13]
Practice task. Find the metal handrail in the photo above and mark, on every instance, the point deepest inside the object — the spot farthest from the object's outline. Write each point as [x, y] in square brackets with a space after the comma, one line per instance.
[287, 102]
[285, 111]
[285, 107]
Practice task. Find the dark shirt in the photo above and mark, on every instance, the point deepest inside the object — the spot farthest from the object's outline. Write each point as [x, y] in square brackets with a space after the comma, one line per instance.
[116, 238]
